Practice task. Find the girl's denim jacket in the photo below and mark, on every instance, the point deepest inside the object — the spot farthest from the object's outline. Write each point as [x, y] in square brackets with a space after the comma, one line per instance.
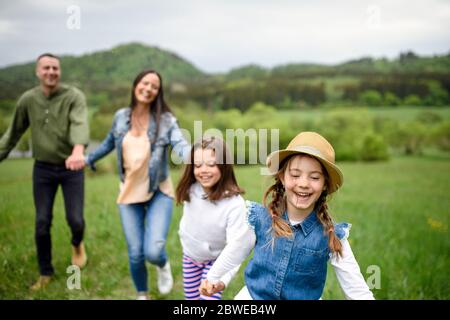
[288, 268]
[158, 165]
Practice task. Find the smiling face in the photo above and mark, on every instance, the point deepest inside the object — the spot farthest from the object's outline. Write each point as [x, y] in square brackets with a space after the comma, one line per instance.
[147, 89]
[206, 170]
[48, 72]
[303, 181]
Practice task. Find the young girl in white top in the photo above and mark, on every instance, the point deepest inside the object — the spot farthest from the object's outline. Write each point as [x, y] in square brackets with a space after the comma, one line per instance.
[293, 235]
[213, 214]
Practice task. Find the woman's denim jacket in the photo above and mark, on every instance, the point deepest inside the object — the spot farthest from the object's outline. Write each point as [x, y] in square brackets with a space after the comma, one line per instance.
[288, 268]
[158, 165]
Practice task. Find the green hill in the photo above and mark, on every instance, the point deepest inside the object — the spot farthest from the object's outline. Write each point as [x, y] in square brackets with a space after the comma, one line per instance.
[102, 70]
[405, 64]
[105, 76]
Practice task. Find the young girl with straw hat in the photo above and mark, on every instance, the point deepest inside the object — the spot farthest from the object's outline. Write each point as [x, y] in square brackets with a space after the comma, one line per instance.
[293, 234]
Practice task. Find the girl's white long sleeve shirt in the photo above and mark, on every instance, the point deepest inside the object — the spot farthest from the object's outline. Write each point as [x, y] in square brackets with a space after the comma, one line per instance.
[207, 227]
[346, 267]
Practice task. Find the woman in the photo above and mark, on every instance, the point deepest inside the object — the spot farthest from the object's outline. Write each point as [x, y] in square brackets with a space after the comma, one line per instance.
[142, 134]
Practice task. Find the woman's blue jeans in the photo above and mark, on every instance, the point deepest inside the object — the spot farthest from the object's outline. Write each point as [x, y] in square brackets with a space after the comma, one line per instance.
[146, 226]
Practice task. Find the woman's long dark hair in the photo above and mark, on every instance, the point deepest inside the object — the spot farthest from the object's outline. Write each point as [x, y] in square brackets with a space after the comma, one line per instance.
[158, 106]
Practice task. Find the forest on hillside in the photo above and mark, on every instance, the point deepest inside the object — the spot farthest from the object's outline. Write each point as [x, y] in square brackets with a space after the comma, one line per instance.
[256, 97]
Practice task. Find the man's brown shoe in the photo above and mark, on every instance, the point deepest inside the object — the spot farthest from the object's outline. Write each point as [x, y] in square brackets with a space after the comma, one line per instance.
[41, 283]
[79, 256]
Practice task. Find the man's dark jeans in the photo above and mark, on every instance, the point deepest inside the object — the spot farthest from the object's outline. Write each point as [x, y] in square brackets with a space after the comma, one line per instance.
[46, 179]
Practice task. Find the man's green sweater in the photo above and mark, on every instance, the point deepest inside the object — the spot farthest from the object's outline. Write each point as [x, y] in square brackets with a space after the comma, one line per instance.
[57, 122]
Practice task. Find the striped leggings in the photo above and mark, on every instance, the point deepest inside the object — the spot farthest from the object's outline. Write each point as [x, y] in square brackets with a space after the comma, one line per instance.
[193, 273]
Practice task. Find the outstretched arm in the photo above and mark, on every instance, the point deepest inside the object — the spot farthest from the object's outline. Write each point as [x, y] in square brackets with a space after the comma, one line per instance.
[349, 275]
[102, 150]
[18, 126]
[227, 264]
[241, 239]
[79, 131]
[76, 160]
[180, 146]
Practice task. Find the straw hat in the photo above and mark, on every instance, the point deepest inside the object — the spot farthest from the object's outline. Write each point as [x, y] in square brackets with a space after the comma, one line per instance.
[315, 145]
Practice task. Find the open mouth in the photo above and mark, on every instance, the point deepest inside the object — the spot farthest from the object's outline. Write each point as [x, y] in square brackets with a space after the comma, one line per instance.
[205, 178]
[145, 95]
[302, 196]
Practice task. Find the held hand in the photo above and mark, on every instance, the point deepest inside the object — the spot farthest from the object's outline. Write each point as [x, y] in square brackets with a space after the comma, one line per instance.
[208, 288]
[75, 162]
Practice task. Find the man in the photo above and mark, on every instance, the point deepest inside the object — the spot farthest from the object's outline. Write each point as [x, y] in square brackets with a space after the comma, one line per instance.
[57, 115]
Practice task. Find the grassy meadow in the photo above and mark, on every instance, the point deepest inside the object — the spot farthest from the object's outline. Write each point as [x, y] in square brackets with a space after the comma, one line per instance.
[399, 209]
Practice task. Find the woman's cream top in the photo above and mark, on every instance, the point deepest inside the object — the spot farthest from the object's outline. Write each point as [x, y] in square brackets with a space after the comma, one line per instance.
[136, 155]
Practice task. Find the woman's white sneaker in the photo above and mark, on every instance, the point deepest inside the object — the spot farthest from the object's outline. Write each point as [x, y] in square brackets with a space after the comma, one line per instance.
[165, 279]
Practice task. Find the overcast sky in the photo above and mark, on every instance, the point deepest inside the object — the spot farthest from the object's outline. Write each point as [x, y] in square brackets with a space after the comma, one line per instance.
[218, 35]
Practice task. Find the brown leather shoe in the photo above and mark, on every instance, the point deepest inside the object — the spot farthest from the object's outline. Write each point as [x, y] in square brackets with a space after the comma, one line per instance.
[79, 256]
[41, 283]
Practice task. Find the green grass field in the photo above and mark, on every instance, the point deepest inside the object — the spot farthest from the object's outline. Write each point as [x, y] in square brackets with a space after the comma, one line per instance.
[400, 211]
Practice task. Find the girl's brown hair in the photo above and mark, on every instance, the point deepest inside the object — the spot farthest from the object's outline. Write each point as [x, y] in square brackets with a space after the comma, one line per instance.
[226, 186]
[277, 206]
